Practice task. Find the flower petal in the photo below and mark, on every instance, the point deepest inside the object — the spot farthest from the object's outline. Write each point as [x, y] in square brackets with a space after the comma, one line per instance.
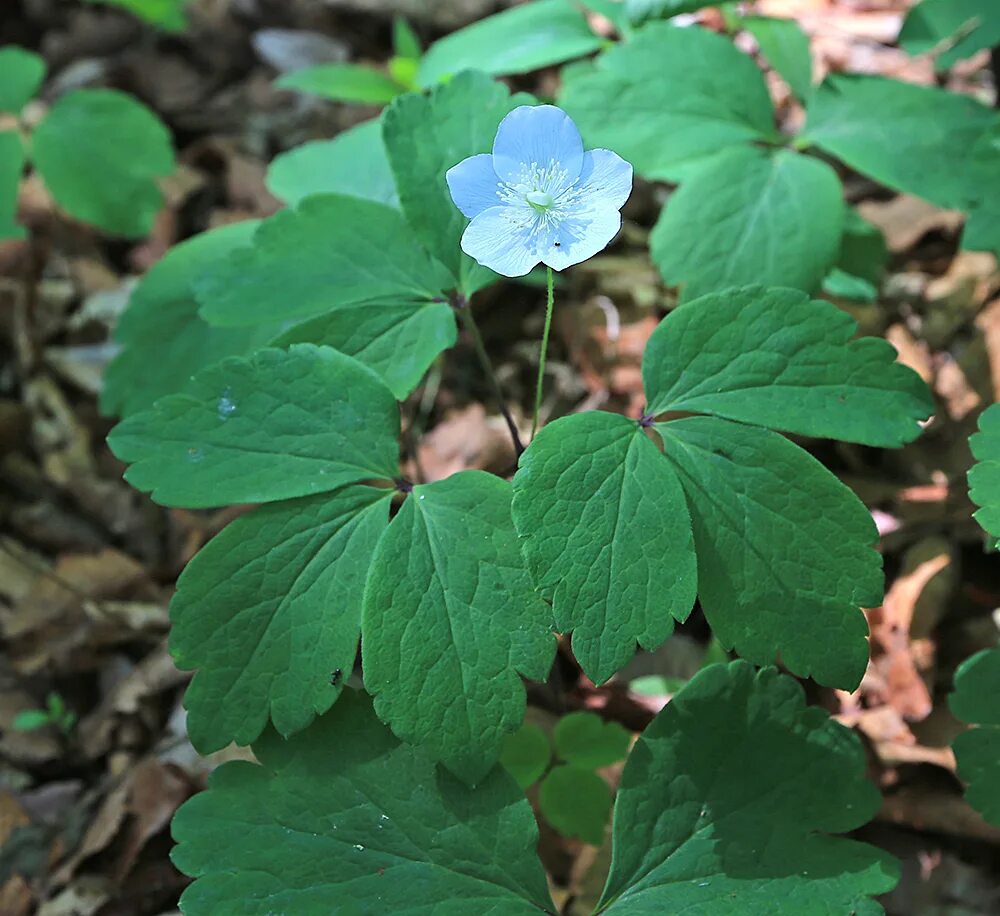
[473, 184]
[581, 237]
[605, 181]
[538, 134]
[501, 239]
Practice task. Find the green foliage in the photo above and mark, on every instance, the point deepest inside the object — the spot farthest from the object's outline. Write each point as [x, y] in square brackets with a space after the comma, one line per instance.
[585, 740]
[605, 531]
[984, 477]
[21, 75]
[55, 714]
[951, 29]
[689, 85]
[279, 424]
[727, 803]
[332, 251]
[977, 686]
[526, 754]
[866, 121]
[774, 358]
[354, 162]
[343, 83]
[640, 11]
[785, 550]
[344, 818]
[751, 215]
[270, 610]
[863, 256]
[165, 14]
[786, 48]
[450, 619]
[99, 152]
[11, 167]
[527, 37]
[164, 342]
[427, 135]
[606, 534]
[576, 802]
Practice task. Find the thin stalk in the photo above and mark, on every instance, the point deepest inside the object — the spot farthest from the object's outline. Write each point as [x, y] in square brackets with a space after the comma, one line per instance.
[484, 360]
[545, 346]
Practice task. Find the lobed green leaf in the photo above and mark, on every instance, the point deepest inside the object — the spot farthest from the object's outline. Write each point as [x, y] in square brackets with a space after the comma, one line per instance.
[450, 619]
[585, 740]
[276, 425]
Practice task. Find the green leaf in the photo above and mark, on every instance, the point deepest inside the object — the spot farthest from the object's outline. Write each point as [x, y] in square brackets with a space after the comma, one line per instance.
[11, 169]
[425, 136]
[270, 609]
[528, 37]
[984, 477]
[670, 98]
[586, 740]
[751, 216]
[165, 14]
[164, 341]
[785, 550]
[953, 29]
[863, 256]
[982, 171]
[278, 424]
[405, 42]
[866, 120]
[343, 83]
[730, 801]
[21, 73]
[29, 720]
[606, 535]
[397, 340]
[526, 754]
[354, 162]
[786, 48]
[977, 687]
[99, 152]
[450, 619]
[576, 802]
[640, 11]
[774, 358]
[332, 251]
[344, 819]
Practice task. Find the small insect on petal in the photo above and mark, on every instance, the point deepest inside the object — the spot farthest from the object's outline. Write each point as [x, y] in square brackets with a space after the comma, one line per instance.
[539, 198]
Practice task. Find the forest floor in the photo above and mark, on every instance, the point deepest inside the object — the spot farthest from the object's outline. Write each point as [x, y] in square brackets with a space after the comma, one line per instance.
[87, 565]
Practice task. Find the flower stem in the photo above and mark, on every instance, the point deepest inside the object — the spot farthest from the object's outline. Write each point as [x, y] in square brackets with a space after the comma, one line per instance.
[484, 360]
[545, 346]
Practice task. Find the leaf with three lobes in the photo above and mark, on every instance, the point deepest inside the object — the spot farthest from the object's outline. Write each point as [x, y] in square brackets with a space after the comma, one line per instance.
[785, 551]
[353, 163]
[343, 818]
[772, 357]
[99, 151]
[164, 341]
[606, 535]
[688, 84]
[332, 251]
[21, 73]
[276, 425]
[528, 37]
[728, 803]
[751, 215]
[424, 137]
[866, 120]
[398, 340]
[11, 169]
[450, 620]
[984, 477]
[269, 609]
[976, 701]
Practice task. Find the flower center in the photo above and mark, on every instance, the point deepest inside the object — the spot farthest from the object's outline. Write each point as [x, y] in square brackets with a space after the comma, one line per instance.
[540, 200]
